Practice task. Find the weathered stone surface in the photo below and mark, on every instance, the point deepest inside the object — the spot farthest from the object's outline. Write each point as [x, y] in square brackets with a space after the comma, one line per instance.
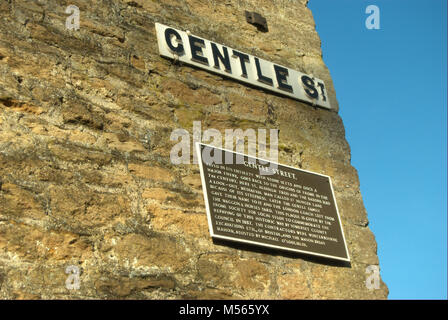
[243, 276]
[85, 171]
[152, 252]
[150, 173]
[294, 284]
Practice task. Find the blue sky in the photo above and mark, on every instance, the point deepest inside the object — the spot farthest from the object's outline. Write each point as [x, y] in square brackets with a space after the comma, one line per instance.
[392, 91]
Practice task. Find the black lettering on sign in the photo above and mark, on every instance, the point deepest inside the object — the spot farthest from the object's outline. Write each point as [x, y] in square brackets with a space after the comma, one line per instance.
[179, 49]
[196, 46]
[217, 56]
[281, 75]
[322, 90]
[261, 77]
[244, 58]
[309, 87]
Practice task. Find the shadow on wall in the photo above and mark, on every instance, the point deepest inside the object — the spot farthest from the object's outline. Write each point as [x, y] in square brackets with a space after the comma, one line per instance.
[286, 254]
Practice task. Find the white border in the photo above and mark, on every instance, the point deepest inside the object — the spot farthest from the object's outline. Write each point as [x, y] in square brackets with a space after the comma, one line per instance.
[209, 219]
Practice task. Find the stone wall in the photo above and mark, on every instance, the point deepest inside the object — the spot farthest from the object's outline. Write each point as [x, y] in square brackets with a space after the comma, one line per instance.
[85, 173]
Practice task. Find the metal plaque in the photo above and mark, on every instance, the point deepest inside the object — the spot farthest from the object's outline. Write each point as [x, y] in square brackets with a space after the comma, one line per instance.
[264, 203]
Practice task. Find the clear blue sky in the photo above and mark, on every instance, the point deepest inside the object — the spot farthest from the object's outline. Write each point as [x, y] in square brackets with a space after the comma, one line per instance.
[392, 90]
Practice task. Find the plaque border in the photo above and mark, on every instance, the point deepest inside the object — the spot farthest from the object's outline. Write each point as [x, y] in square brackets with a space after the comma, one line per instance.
[210, 226]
